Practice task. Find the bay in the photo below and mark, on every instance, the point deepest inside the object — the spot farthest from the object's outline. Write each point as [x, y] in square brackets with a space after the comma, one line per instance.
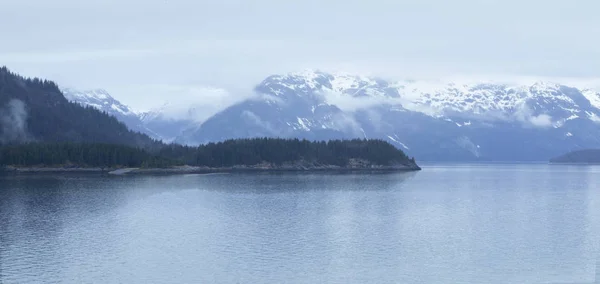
[446, 224]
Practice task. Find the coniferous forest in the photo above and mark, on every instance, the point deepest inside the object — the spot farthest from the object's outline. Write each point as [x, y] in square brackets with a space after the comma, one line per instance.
[78, 155]
[35, 110]
[239, 152]
[279, 151]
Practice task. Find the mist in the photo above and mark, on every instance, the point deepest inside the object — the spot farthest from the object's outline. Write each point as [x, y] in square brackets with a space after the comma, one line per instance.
[13, 120]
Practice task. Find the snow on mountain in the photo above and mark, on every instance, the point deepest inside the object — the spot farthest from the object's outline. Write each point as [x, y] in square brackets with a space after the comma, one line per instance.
[592, 96]
[187, 108]
[99, 99]
[432, 120]
[103, 101]
[483, 100]
[170, 121]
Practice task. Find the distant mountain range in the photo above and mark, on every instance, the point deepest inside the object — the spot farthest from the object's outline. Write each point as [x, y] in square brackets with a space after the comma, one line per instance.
[440, 122]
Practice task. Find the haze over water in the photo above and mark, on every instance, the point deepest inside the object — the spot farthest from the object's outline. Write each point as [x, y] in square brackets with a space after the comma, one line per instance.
[445, 224]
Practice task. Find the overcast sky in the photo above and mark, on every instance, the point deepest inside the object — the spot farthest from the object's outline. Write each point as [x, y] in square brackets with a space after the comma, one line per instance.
[145, 51]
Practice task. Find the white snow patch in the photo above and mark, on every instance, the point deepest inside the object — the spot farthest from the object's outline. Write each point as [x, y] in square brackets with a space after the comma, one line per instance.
[302, 124]
[119, 109]
[404, 146]
[99, 94]
[592, 96]
[572, 117]
[97, 106]
[401, 144]
[363, 132]
[593, 117]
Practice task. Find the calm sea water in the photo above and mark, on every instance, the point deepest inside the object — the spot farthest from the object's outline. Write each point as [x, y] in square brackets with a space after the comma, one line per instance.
[445, 224]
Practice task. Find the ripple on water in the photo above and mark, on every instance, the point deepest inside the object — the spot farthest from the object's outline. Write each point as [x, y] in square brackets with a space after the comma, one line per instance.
[440, 226]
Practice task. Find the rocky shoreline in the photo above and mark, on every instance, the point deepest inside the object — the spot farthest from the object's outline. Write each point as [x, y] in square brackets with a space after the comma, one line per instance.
[202, 170]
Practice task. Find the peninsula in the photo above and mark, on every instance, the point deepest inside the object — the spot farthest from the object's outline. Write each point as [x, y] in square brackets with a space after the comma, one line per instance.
[589, 157]
[257, 154]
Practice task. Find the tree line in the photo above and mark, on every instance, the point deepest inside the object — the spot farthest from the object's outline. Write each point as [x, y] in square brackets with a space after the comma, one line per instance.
[222, 154]
[277, 151]
[79, 155]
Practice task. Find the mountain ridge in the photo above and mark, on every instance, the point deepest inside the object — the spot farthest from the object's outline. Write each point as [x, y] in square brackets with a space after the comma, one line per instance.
[436, 121]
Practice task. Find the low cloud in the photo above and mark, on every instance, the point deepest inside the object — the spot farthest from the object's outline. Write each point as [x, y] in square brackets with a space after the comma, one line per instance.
[347, 123]
[350, 104]
[14, 123]
[542, 120]
[183, 102]
[258, 121]
[525, 115]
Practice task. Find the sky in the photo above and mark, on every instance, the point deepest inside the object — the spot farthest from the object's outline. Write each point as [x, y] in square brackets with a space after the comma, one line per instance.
[145, 52]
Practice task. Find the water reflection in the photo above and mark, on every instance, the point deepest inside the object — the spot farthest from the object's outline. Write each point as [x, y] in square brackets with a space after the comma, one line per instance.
[483, 224]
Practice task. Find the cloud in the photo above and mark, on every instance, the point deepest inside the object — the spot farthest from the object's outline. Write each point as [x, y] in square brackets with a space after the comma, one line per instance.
[14, 122]
[347, 123]
[258, 121]
[526, 116]
[350, 103]
[542, 120]
[185, 101]
[225, 43]
[74, 55]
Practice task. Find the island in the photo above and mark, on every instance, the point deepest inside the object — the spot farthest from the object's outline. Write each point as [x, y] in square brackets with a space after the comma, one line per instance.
[584, 157]
[253, 154]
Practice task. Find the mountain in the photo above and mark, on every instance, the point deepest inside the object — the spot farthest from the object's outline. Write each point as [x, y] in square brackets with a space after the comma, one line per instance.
[101, 100]
[165, 126]
[153, 123]
[430, 120]
[469, 122]
[35, 110]
[587, 156]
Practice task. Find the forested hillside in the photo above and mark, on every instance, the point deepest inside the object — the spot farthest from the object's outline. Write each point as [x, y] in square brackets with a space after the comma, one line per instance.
[35, 110]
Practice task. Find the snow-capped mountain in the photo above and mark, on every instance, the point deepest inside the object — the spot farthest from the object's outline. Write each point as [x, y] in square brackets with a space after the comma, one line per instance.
[159, 123]
[168, 126]
[429, 120]
[102, 100]
[483, 121]
[99, 99]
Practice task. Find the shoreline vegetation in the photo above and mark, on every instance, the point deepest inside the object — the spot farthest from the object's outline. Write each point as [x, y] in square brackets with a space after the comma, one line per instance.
[236, 155]
[203, 170]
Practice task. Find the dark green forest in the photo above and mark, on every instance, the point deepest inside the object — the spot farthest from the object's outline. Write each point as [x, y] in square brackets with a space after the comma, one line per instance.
[36, 110]
[278, 151]
[79, 155]
[229, 153]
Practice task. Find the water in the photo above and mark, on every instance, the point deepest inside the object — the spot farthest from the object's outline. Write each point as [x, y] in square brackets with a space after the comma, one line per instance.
[445, 224]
